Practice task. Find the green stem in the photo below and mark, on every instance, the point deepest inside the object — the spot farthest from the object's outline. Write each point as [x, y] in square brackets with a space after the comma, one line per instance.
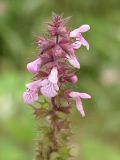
[53, 136]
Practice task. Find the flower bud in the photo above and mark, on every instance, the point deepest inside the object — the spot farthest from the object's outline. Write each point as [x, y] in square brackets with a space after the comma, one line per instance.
[72, 79]
[34, 66]
[58, 51]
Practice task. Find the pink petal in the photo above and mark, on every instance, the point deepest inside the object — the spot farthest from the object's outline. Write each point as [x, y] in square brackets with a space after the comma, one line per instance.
[49, 86]
[78, 94]
[53, 76]
[29, 97]
[49, 90]
[34, 85]
[77, 32]
[73, 61]
[74, 33]
[74, 94]
[79, 106]
[76, 44]
[84, 28]
[34, 66]
[85, 96]
[44, 82]
[83, 42]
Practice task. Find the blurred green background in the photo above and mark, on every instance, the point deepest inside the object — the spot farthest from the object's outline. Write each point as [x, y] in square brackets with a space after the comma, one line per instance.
[97, 136]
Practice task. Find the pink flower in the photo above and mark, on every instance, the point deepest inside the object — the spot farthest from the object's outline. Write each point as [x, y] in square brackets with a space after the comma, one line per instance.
[77, 97]
[77, 33]
[73, 60]
[49, 86]
[31, 94]
[29, 97]
[34, 66]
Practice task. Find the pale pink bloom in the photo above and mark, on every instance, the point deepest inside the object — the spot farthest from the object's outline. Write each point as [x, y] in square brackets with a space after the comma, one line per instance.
[77, 97]
[31, 94]
[34, 66]
[49, 86]
[77, 33]
[73, 60]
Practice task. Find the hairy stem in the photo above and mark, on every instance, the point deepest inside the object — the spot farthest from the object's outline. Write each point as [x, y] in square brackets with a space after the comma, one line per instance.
[53, 136]
[53, 125]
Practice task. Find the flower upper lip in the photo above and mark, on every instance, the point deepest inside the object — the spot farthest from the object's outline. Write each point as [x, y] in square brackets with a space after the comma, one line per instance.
[77, 33]
[49, 86]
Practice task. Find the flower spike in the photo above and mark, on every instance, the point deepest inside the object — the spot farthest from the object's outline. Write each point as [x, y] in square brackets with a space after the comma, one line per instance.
[51, 72]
